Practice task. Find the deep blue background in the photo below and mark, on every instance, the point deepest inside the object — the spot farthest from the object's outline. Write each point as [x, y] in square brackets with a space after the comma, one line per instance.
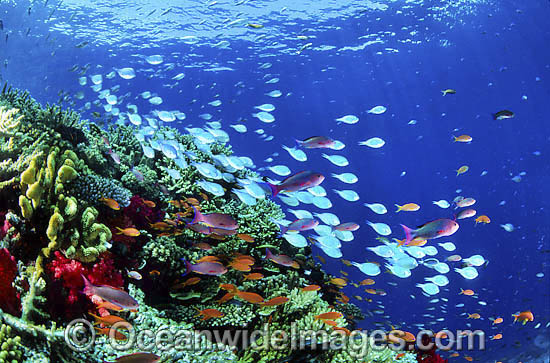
[494, 57]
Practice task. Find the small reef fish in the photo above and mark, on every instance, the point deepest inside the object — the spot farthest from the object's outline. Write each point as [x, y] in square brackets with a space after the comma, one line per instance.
[114, 156]
[110, 294]
[279, 300]
[254, 276]
[465, 202]
[483, 219]
[209, 313]
[137, 358]
[329, 316]
[348, 226]
[299, 225]
[467, 213]
[431, 230]
[134, 275]
[462, 138]
[128, 232]
[251, 297]
[311, 288]
[111, 203]
[107, 320]
[448, 91]
[316, 142]
[467, 292]
[294, 183]
[283, 260]
[107, 331]
[524, 317]
[462, 170]
[205, 268]
[409, 207]
[215, 220]
[502, 115]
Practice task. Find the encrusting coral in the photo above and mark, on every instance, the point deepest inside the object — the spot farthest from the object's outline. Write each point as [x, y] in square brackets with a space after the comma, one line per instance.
[77, 201]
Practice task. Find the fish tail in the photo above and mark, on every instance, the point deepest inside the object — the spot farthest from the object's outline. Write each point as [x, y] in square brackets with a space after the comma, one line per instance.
[197, 216]
[408, 234]
[444, 93]
[455, 138]
[399, 208]
[119, 230]
[188, 267]
[299, 143]
[273, 188]
[494, 115]
[268, 253]
[88, 287]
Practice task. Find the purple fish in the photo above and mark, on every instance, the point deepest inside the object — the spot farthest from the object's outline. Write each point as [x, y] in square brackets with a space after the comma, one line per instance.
[205, 268]
[139, 176]
[110, 294]
[299, 225]
[215, 220]
[316, 142]
[283, 260]
[142, 357]
[114, 156]
[431, 230]
[348, 226]
[300, 181]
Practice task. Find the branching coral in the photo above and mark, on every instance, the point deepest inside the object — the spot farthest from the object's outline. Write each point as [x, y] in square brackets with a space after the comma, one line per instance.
[9, 123]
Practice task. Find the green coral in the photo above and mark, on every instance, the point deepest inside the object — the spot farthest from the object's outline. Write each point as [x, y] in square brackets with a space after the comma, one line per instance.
[10, 346]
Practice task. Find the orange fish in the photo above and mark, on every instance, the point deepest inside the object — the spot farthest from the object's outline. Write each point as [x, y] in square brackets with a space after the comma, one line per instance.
[279, 300]
[229, 287]
[192, 201]
[203, 246]
[370, 291]
[524, 317]
[468, 358]
[160, 225]
[245, 237]
[330, 322]
[467, 292]
[367, 282]
[251, 297]
[149, 203]
[154, 273]
[343, 299]
[400, 355]
[253, 276]
[204, 196]
[109, 306]
[111, 203]
[240, 266]
[329, 316]
[311, 288]
[496, 337]
[191, 281]
[346, 262]
[128, 232]
[483, 219]
[248, 260]
[345, 330]
[498, 321]
[474, 316]
[338, 281]
[208, 259]
[209, 313]
[225, 298]
[106, 331]
[454, 355]
[107, 320]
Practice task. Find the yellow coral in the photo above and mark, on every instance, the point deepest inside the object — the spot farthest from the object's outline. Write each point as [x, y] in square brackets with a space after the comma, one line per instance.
[26, 207]
[66, 173]
[8, 123]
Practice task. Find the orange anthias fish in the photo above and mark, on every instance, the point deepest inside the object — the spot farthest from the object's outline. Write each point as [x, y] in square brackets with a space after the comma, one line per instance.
[367, 282]
[338, 281]
[225, 298]
[462, 138]
[245, 237]
[474, 316]
[240, 266]
[498, 321]
[209, 313]
[409, 207]
[148, 203]
[208, 259]
[483, 219]
[329, 316]
[111, 203]
[279, 300]
[137, 358]
[106, 331]
[128, 232]
[107, 320]
[229, 287]
[254, 276]
[467, 292]
[311, 288]
[524, 317]
[496, 337]
[283, 260]
[251, 297]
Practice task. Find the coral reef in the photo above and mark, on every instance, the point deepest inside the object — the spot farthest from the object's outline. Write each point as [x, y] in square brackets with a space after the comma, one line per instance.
[77, 201]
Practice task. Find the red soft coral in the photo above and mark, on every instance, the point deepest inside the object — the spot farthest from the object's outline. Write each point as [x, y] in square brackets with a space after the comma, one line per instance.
[428, 355]
[141, 214]
[66, 277]
[10, 301]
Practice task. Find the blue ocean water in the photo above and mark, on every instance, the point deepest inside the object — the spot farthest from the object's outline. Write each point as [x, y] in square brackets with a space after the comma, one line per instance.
[399, 54]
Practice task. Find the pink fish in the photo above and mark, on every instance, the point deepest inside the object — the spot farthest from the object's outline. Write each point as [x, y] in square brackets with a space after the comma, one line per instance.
[299, 225]
[349, 226]
[300, 181]
[205, 268]
[139, 176]
[431, 230]
[114, 156]
[215, 220]
[142, 357]
[316, 142]
[283, 260]
[106, 141]
[466, 213]
[465, 202]
[110, 294]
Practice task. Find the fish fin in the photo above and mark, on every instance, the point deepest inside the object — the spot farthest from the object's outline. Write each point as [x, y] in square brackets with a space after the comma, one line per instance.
[88, 287]
[408, 234]
[272, 187]
[196, 216]
[455, 138]
[268, 253]
[188, 267]
[399, 208]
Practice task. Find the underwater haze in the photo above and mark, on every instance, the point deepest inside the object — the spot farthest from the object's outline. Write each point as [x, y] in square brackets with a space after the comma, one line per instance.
[440, 107]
